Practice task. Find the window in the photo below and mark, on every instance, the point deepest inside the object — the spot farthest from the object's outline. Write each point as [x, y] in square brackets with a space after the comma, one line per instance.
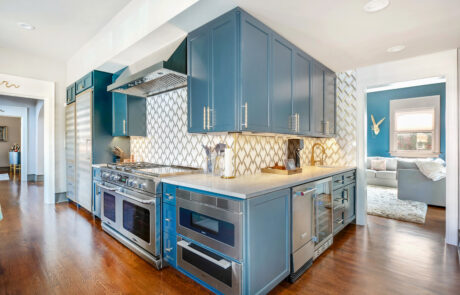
[414, 127]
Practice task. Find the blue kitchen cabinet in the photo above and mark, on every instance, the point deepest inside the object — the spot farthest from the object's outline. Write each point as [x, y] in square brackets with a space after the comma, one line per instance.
[265, 232]
[84, 83]
[229, 54]
[169, 224]
[70, 93]
[283, 120]
[129, 113]
[323, 83]
[301, 92]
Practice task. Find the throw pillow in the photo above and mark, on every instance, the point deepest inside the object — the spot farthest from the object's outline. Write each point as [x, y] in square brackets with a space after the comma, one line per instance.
[379, 165]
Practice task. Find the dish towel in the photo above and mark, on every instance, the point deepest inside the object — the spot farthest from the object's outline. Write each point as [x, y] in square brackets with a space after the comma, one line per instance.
[432, 169]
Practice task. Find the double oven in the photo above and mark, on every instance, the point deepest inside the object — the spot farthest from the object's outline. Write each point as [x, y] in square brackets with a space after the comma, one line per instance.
[209, 245]
[132, 215]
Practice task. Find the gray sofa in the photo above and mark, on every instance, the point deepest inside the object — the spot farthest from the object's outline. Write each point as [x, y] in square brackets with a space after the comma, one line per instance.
[383, 178]
[413, 185]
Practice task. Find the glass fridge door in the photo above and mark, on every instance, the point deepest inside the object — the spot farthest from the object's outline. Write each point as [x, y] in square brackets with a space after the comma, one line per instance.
[323, 212]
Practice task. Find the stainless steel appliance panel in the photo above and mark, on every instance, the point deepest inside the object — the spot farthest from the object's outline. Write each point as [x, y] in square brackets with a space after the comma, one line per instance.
[213, 211]
[84, 149]
[70, 150]
[222, 274]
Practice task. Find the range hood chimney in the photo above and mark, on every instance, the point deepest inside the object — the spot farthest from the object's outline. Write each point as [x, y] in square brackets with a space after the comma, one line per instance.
[167, 71]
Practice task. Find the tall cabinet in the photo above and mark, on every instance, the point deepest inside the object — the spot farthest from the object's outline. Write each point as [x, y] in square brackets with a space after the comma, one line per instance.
[89, 135]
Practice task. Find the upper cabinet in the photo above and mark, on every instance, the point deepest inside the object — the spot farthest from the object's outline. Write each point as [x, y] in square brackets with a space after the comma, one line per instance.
[128, 113]
[70, 93]
[242, 76]
[323, 83]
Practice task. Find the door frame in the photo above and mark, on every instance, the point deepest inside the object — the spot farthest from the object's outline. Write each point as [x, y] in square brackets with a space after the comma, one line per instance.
[11, 85]
[20, 112]
[442, 64]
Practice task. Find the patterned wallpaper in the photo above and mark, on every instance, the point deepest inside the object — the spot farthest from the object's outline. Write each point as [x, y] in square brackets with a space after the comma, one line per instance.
[167, 141]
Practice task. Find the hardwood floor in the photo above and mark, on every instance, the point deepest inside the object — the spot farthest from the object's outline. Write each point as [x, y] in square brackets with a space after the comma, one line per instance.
[47, 249]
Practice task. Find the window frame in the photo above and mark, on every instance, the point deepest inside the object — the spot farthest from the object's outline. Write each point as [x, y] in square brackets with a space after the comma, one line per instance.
[412, 105]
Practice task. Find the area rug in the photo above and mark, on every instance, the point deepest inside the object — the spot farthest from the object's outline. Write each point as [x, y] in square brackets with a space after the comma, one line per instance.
[4, 176]
[383, 201]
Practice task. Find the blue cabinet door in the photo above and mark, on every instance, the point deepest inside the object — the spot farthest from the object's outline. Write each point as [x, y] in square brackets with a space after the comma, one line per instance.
[224, 48]
[301, 92]
[120, 114]
[282, 76]
[255, 75]
[329, 102]
[317, 96]
[198, 86]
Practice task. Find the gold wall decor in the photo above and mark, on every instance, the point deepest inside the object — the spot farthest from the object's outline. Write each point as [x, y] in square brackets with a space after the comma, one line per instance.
[376, 126]
[8, 85]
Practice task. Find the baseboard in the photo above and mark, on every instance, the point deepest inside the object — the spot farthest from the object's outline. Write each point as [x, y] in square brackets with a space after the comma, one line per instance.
[35, 177]
[61, 197]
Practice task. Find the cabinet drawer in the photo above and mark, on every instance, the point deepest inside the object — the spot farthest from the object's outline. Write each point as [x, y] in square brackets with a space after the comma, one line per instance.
[84, 83]
[169, 218]
[349, 177]
[169, 248]
[337, 181]
[169, 194]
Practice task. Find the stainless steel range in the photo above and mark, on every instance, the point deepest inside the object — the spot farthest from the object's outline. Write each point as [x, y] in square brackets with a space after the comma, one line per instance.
[131, 205]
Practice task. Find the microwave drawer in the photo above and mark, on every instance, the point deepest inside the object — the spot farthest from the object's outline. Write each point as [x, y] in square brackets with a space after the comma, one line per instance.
[218, 272]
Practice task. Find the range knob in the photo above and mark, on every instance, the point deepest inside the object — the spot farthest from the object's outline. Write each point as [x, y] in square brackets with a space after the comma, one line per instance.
[143, 185]
[105, 175]
[115, 177]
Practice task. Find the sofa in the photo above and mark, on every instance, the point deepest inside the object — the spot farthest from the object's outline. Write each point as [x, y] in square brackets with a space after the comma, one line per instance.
[413, 185]
[385, 177]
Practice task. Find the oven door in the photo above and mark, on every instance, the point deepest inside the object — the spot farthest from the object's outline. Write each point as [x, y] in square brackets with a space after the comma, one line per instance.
[216, 271]
[214, 227]
[110, 211]
[138, 223]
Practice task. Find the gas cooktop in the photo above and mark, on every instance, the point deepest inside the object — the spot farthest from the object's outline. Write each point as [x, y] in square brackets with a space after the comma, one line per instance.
[152, 170]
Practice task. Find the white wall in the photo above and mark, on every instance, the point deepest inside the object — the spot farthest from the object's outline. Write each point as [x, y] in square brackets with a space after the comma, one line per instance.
[39, 142]
[26, 65]
[443, 64]
[14, 136]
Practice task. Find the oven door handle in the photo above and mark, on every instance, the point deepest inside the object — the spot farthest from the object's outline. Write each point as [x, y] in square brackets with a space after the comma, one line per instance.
[222, 263]
[136, 199]
[106, 187]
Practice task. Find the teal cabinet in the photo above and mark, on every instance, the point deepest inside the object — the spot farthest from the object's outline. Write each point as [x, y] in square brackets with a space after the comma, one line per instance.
[84, 83]
[243, 76]
[344, 200]
[70, 94]
[129, 114]
[169, 224]
[323, 83]
[283, 120]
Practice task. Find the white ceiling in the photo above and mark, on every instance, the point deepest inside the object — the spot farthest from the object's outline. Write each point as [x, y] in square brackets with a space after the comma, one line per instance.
[342, 36]
[336, 32]
[62, 26]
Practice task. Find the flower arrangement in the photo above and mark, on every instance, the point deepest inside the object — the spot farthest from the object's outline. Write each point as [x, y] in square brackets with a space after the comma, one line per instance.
[15, 148]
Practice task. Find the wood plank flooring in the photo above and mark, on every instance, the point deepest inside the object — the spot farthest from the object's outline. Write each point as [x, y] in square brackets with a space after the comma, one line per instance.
[47, 249]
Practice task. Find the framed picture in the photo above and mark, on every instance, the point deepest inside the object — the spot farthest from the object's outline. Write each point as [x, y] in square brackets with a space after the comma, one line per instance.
[3, 133]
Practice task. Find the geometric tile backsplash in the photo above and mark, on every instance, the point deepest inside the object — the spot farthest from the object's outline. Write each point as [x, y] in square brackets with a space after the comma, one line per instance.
[167, 141]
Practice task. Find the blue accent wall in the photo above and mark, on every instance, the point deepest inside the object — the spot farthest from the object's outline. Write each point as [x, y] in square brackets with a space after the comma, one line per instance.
[378, 104]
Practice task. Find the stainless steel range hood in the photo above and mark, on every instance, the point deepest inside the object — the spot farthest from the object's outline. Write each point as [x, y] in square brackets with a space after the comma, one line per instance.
[161, 76]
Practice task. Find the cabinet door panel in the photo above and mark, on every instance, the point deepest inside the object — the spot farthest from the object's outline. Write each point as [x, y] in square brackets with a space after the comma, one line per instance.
[224, 67]
[329, 101]
[301, 91]
[120, 114]
[255, 63]
[317, 98]
[281, 102]
[350, 209]
[198, 80]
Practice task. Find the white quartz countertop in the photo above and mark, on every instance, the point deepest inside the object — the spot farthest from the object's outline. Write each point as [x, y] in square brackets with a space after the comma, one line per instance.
[248, 186]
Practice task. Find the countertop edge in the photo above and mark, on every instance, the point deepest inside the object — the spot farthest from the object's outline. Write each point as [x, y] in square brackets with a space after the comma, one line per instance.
[173, 181]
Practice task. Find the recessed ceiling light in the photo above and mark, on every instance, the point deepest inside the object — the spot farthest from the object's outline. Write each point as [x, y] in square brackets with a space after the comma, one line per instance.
[396, 48]
[376, 5]
[26, 26]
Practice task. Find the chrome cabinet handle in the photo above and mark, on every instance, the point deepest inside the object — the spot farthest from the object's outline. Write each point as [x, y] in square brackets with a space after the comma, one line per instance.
[209, 118]
[245, 124]
[298, 122]
[168, 219]
[170, 197]
[339, 220]
[204, 117]
[168, 249]
[222, 263]
[124, 127]
[306, 192]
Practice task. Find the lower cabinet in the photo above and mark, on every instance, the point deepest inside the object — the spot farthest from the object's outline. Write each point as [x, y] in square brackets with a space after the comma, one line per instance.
[169, 224]
[344, 196]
